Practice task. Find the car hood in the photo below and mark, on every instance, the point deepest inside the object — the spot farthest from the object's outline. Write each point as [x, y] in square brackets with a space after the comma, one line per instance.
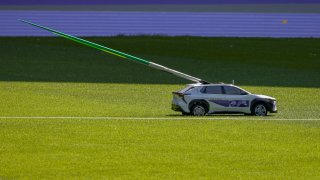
[264, 96]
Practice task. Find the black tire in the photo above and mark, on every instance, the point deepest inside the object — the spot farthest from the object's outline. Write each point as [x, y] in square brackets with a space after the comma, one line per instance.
[259, 109]
[198, 110]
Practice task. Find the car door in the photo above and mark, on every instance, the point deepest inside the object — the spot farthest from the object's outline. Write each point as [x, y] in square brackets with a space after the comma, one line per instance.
[213, 94]
[235, 99]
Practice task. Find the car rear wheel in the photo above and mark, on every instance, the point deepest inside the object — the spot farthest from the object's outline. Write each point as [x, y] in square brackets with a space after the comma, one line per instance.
[198, 110]
[260, 110]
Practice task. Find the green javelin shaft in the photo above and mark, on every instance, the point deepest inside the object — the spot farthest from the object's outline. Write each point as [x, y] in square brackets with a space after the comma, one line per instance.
[119, 54]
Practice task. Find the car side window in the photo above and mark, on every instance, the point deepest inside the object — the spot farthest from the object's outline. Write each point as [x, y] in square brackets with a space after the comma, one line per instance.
[233, 91]
[212, 90]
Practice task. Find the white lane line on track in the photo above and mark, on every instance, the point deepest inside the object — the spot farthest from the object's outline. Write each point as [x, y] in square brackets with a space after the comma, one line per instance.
[156, 118]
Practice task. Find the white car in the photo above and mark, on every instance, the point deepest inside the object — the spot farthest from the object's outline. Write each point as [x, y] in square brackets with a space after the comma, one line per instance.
[201, 99]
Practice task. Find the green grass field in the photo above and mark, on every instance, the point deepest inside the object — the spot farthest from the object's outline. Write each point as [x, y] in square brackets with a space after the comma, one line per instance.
[135, 133]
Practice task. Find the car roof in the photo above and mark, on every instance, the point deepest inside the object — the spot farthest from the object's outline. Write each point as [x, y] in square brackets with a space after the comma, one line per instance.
[216, 84]
[212, 84]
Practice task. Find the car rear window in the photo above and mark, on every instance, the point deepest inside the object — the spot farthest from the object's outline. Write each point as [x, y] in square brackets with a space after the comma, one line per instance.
[186, 89]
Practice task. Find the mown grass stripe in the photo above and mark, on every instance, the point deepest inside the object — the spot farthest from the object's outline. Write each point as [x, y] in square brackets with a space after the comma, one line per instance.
[156, 118]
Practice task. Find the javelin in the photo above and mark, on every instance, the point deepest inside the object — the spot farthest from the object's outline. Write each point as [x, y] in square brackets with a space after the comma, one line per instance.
[120, 54]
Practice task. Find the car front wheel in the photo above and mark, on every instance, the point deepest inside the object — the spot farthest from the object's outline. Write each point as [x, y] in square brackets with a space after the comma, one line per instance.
[198, 110]
[260, 110]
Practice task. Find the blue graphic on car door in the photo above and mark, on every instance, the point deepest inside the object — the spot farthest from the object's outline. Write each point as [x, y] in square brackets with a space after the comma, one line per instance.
[231, 103]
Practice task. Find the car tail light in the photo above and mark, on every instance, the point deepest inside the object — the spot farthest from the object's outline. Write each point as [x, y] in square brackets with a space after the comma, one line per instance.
[180, 95]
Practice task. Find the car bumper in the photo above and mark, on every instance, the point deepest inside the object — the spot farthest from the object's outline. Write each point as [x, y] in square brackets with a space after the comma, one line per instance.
[273, 107]
[273, 111]
[176, 107]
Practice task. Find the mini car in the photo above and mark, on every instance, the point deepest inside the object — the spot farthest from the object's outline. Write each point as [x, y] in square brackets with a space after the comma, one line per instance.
[201, 99]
